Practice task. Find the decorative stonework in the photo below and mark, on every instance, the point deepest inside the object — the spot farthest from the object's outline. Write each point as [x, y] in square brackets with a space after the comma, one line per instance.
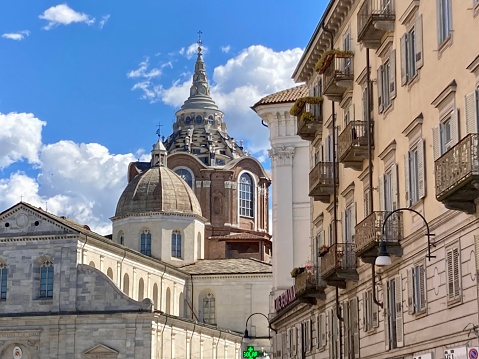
[206, 184]
[282, 156]
[100, 351]
[230, 184]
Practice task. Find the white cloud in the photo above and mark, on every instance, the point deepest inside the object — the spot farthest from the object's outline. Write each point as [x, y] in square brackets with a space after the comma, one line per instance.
[192, 50]
[103, 21]
[144, 72]
[226, 49]
[20, 138]
[64, 15]
[17, 36]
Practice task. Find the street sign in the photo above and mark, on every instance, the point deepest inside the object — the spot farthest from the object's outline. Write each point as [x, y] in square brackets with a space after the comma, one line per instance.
[473, 353]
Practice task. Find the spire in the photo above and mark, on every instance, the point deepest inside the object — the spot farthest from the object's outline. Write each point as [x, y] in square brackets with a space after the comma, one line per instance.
[158, 152]
[200, 89]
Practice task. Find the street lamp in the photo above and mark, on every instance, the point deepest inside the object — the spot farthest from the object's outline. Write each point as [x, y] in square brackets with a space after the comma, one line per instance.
[383, 259]
[246, 334]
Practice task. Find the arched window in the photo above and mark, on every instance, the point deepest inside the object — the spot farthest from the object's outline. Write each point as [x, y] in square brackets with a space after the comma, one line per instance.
[3, 281]
[141, 289]
[246, 196]
[92, 264]
[126, 284]
[176, 244]
[145, 243]
[46, 279]
[168, 301]
[209, 309]
[155, 296]
[121, 238]
[109, 273]
[186, 175]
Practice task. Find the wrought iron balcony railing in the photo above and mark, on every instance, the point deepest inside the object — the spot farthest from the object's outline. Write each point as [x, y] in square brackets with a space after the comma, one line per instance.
[340, 257]
[321, 180]
[368, 233]
[457, 175]
[375, 17]
[338, 75]
[310, 120]
[353, 144]
[308, 284]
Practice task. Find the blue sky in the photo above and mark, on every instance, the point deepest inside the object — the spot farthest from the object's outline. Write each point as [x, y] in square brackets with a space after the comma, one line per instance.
[84, 85]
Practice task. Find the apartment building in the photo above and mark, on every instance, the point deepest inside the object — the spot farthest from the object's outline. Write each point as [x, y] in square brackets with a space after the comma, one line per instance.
[392, 122]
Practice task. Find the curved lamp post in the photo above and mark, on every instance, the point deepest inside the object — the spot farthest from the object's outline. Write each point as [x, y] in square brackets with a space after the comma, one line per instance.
[383, 258]
[246, 334]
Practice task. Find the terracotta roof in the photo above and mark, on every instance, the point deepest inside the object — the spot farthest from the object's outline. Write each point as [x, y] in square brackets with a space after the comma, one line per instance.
[228, 266]
[239, 236]
[289, 95]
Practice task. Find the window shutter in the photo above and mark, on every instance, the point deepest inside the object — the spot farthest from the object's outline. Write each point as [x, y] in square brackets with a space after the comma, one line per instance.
[365, 104]
[419, 47]
[380, 88]
[318, 331]
[454, 127]
[295, 340]
[406, 175]
[355, 324]
[422, 287]
[288, 341]
[410, 291]
[310, 335]
[324, 337]
[381, 193]
[436, 142]
[394, 186]
[421, 173]
[472, 112]
[450, 275]
[399, 315]
[343, 226]
[353, 220]
[375, 311]
[347, 330]
[365, 321]
[403, 60]
[386, 315]
[330, 333]
[457, 285]
[285, 350]
[392, 74]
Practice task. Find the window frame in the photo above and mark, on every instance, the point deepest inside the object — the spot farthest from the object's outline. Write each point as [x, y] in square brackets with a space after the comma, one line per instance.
[417, 290]
[47, 280]
[444, 21]
[145, 242]
[176, 236]
[209, 302]
[3, 281]
[182, 171]
[454, 287]
[246, 195]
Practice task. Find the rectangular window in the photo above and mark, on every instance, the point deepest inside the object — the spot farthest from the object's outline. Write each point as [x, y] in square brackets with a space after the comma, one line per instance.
[444, 20]
[413, 176]
[321, 328]
[453, 263]
[417, 289]
[411, 54]
[3, 281]
[388, 192]
[351, 328]
[393, 310]
[46, 281]
[385, 80]
[445, 131]
[370, 312]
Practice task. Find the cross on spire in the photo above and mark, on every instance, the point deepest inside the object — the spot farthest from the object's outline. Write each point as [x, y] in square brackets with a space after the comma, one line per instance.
[158, 131]
[199, 42]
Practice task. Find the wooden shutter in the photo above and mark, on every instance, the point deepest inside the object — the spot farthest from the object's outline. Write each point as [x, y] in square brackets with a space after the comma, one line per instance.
[399, 314]
[422, 286]
[472, 112]
[454, 127]
[331, 333]
[289, 340]
[365, 311]
[343, 226]
[457, 279]
[421, 173]
[354, 310]
[410, 291]
[419, 47]
[403, 55]
[347, 330]
[353, 220]
[310, 335]
[379, 82]
[285, 346]
[394, 186]
[375, 311]
[450, 275]
[407, 184]
[392, 74]
[324, 337]
[436, 142]
[381, 193]
[386, 315]
[365, 104]
[318, 331]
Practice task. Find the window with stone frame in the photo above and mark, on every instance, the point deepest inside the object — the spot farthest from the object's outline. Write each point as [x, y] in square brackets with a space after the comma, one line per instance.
[386, 81]
[414, 164]
[246, 195]
[121, 238]
[370, 311]
[351, 329]
[446, 133]
[417, 291]
[145, 243]
[453, 274]
[46, 279]
[176, 244]
[322, 335]
[411, 52]
[388, 189]
[444, 20]
[209, 309]
[3, 281]
[393, 311]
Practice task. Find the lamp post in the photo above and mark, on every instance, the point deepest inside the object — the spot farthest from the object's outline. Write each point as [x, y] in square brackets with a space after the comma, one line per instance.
[383, 258]
[246, 334]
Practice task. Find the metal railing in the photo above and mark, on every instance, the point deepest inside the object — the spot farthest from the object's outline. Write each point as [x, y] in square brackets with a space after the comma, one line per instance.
[374, 8]
[340, 256]
[354, 135]
[322, 175]
[340, 68]
[369, 230]
[457, 164]
[306, 281]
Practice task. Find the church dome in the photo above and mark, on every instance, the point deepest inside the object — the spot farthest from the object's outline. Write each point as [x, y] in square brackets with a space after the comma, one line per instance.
[158, 189]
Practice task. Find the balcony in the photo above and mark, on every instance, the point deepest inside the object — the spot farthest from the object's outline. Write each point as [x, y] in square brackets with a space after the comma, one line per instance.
[321, 184]
[353, 144]
[308, 287]
[309, 113]
[369, 234]
[339, 265]
[375, 18]
[457, 175]
[338, 75]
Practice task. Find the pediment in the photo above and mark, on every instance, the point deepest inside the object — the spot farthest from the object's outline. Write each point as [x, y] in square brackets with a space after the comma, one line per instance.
[102, 349]
[24, 219]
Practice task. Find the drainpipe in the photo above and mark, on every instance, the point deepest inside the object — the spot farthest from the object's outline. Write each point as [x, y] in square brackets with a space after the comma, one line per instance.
[335, 201]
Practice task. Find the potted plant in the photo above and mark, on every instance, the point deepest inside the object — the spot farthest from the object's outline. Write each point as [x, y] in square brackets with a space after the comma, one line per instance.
[296, 271]
[323, 250]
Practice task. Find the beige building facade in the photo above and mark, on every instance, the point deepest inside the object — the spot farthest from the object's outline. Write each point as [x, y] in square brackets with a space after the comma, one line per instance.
[391, 117]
